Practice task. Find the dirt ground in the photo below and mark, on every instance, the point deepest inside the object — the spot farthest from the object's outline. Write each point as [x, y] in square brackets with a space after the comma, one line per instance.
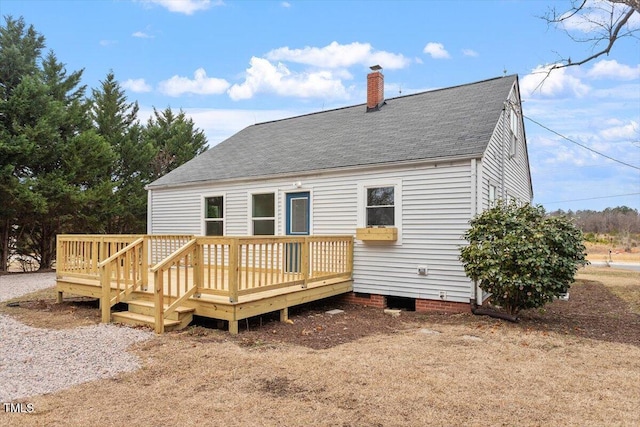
[608, 312]
[574, 363]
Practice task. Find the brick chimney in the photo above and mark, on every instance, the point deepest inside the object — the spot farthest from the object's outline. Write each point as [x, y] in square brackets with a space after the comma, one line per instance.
[375, 89]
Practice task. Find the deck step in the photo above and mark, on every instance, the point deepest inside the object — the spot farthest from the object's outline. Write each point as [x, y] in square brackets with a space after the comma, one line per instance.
[138, 319]
[148, 308]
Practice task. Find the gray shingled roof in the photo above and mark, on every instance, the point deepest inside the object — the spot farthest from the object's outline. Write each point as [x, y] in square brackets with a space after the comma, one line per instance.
[450, 122]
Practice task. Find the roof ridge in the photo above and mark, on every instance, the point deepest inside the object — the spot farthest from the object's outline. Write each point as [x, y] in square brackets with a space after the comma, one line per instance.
[452, 87]
[387, 99]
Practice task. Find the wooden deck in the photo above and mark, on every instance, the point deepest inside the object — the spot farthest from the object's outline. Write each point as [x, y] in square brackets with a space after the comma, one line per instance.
[167, 279]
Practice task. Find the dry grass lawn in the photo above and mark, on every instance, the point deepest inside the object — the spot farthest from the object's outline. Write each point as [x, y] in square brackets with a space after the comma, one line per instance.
[623, 283]
[600, 252]
[432, 371]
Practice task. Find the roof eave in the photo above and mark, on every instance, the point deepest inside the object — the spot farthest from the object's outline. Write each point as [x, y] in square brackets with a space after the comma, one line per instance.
[296, 174]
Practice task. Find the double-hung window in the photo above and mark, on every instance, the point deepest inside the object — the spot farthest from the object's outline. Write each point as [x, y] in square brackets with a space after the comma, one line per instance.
[214, 216]
[263, 214]
[380, 207]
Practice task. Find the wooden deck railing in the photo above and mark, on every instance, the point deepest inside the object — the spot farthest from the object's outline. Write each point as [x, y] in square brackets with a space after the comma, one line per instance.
[79, 254]
[119, 261]
[238, 266]
[127, 269]
[163, 245]
[188, 266]
[175, 280]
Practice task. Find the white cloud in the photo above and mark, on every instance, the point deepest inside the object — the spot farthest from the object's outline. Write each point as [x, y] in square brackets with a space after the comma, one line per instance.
[436, 50]
[470, 52]
[594, 14]
[622, 132]
[200, 84]
[559, 83]
[136, 85]
[188, 7]
[285, 4]
[418, 60]
[613, 69]
[619, 93]
[264, 77]
[106, 43]
[142, 35]
[337, 55]
[220, 124]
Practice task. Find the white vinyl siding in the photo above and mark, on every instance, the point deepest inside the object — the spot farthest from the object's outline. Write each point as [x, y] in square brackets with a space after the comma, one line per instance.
[435, 203]
[176, 212]
[515, 179]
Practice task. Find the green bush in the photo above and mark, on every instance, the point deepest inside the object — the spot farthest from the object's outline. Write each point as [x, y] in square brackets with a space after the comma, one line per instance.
[522, 257]
[591, 237]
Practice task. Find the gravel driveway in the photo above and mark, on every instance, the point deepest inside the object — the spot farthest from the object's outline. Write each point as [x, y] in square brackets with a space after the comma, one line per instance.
[38, 361]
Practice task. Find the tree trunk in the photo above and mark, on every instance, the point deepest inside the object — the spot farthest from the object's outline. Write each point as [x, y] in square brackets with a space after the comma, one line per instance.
[4, 245]
[47, 248]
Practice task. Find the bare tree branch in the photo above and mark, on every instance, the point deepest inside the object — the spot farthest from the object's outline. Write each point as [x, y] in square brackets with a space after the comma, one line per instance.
[609, 24]
[635, 4]
[614, 35]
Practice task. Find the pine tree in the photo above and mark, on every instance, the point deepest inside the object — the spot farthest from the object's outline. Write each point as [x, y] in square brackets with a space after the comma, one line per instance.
[20, 49]
[176, 140]
[116, 121]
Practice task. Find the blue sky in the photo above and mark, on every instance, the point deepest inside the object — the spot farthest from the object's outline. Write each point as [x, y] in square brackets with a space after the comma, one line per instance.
[229, 64]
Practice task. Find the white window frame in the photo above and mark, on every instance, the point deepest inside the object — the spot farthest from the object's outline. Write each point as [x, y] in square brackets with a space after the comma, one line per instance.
[203, 210]
[514, 133]
[493, 192]
[396, 183]
[275, 212]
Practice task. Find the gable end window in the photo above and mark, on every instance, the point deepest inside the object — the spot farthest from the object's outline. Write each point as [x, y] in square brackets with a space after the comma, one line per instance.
[514, 134]
[263, 213]
[380, 208]
[214, 216]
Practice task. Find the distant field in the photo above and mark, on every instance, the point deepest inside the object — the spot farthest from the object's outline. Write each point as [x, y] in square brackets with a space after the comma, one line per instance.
[600, 252]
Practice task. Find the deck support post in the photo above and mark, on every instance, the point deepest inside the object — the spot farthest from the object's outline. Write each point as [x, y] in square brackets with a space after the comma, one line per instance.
[233, 273]
[158, 300]
[233, 327]
[145, 263]
[105, 300]
[284, 314]
[59, 297]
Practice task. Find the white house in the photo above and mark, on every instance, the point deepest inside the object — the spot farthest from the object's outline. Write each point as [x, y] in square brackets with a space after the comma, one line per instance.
[404, 175]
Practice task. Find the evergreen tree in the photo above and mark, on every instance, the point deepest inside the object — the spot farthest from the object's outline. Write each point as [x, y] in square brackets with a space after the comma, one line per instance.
[116, 121]
[67, 172]
[20, 49]
[176, 140]
[71, 164]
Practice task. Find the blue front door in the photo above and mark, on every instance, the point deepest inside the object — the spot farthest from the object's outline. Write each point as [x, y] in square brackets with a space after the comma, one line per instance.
[297, 224]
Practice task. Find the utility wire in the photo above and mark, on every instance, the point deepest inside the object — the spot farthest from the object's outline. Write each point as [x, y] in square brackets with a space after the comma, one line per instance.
[581, 145]
[592, 198]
